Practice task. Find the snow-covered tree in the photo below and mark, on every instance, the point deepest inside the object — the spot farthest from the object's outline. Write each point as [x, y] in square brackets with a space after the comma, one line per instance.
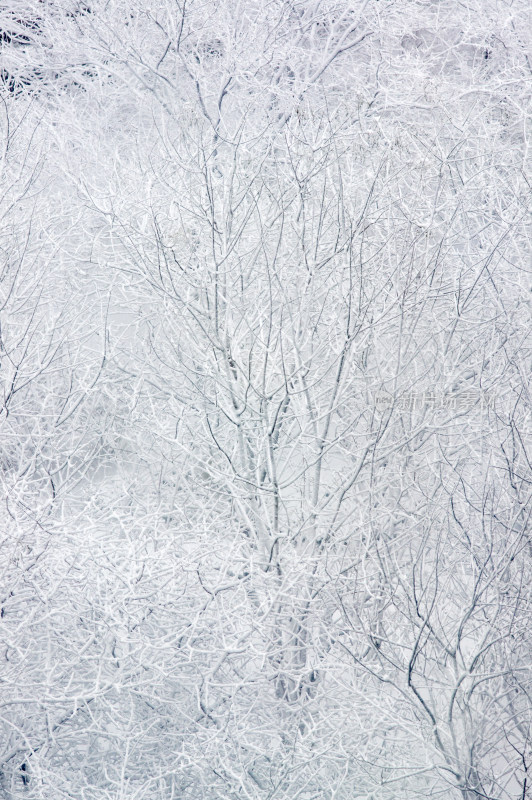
[266, 427]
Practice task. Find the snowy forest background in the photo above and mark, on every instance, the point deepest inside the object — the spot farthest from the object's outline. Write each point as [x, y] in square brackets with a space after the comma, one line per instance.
[265, 422]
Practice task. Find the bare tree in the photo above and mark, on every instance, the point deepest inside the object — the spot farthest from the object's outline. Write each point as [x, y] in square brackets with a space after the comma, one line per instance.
[289, 490]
